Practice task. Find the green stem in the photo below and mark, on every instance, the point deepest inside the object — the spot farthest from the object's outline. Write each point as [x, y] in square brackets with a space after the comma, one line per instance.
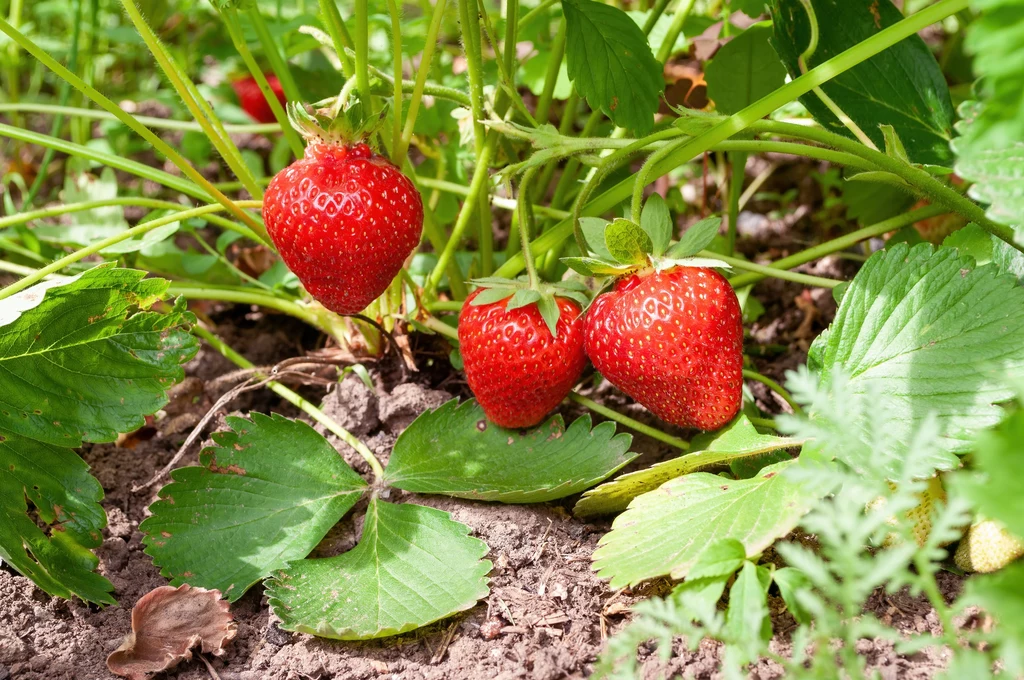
[842, 243]
[234, 27]
[481, 175]
[93, 248]
[294, 398]
[396, 113]
[339, 34]
[763, 422]
[652, 19]
[148, 121]
[65, 95]
[469, 19]
[128, 120]
[737, 165]
[193, 101]
[22, 218]
[774, 387]
[746, 117]
[274, 55]
[632, 424]
[795, 277]
[676, 27]
[246, 296]
[524, 224]
[362, 47]
[551, 77]
[421, 77]
[18, 269]
[919, 179]
[535, 12]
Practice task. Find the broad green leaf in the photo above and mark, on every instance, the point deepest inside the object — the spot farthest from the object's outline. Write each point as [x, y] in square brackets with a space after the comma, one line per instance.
[994, 38]
[454, 450]
[266, 493]
[738, 441]
[696, 238]
[593, 231]
[66, 498]
[791, 581]
[927, 332]
[412, 566]
[721, 558]
[664, 531]
[747, 621]
[872, 202]
[656, 221]
[627, 242]
[80, 360]
[744, 70]
[994, 488]
[995, 168]
[974, 241]
[611, 65]
[902, 86]
[81, 364]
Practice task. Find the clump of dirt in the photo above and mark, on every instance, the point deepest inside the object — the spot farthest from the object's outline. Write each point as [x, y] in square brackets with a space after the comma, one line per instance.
[546, 617]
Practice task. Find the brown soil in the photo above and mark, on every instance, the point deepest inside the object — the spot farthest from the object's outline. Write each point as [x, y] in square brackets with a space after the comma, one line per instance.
[550, 612]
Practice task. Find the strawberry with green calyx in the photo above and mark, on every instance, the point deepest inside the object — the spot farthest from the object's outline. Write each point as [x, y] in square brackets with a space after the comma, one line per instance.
[522, 347]
[669, 333]
[343, 218]
[522, 341]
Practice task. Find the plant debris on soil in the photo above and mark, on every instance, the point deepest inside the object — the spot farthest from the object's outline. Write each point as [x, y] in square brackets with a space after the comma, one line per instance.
[547, 615]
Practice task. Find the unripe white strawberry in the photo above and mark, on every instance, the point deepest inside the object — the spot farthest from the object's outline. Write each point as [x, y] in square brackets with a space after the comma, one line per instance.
[986, 547]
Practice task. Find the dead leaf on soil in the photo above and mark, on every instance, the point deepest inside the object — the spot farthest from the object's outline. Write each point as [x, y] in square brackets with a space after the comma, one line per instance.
[166, 624]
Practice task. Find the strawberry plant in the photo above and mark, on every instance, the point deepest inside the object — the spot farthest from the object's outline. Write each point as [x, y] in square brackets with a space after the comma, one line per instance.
[736, 283]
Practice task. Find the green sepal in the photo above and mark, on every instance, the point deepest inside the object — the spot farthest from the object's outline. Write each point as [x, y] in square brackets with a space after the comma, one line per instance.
[352, 124]
[627, 242]
[523, 297]
[550, 312]
[520, 293]
[489, 296]
[696, 238]
[593, 233]
[661, 264]
[591, 266]
[893, 145]
[656, 221]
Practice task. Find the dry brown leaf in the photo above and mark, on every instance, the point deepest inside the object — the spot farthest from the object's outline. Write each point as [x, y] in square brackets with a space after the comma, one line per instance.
[166, 624]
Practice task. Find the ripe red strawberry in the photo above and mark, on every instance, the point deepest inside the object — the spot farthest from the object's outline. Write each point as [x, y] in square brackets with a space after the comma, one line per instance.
[672, 340]
[518, 372]
[252, 100]
[344, 220]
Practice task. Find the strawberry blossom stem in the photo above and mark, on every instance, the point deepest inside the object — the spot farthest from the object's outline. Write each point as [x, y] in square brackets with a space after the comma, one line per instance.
[312, 411]
[396, 105]
[632, 424]
[339, 34]
[524, 224]
[362, 48]
[795, 277]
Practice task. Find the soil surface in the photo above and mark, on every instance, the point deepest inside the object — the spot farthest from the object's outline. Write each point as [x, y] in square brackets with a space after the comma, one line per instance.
[547, 614]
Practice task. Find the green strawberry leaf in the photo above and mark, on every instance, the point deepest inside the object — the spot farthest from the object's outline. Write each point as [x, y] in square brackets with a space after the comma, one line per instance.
[994, 167]
[266, 493]
[657, 222]
[930, 333]
[611, 65]
[627, 242]
[745, 69]
[721, 558]
[902, 86]
[455, 451]
[696, 238]
[412, 566]
[738, 441]
[82, 360]
[593, 232]
[664, 531]
[791, 581]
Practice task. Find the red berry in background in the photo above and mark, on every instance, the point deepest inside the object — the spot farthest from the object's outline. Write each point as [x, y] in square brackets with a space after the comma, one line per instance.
[252, 101]
[673, 341]
[344, 220]
[518, 372]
